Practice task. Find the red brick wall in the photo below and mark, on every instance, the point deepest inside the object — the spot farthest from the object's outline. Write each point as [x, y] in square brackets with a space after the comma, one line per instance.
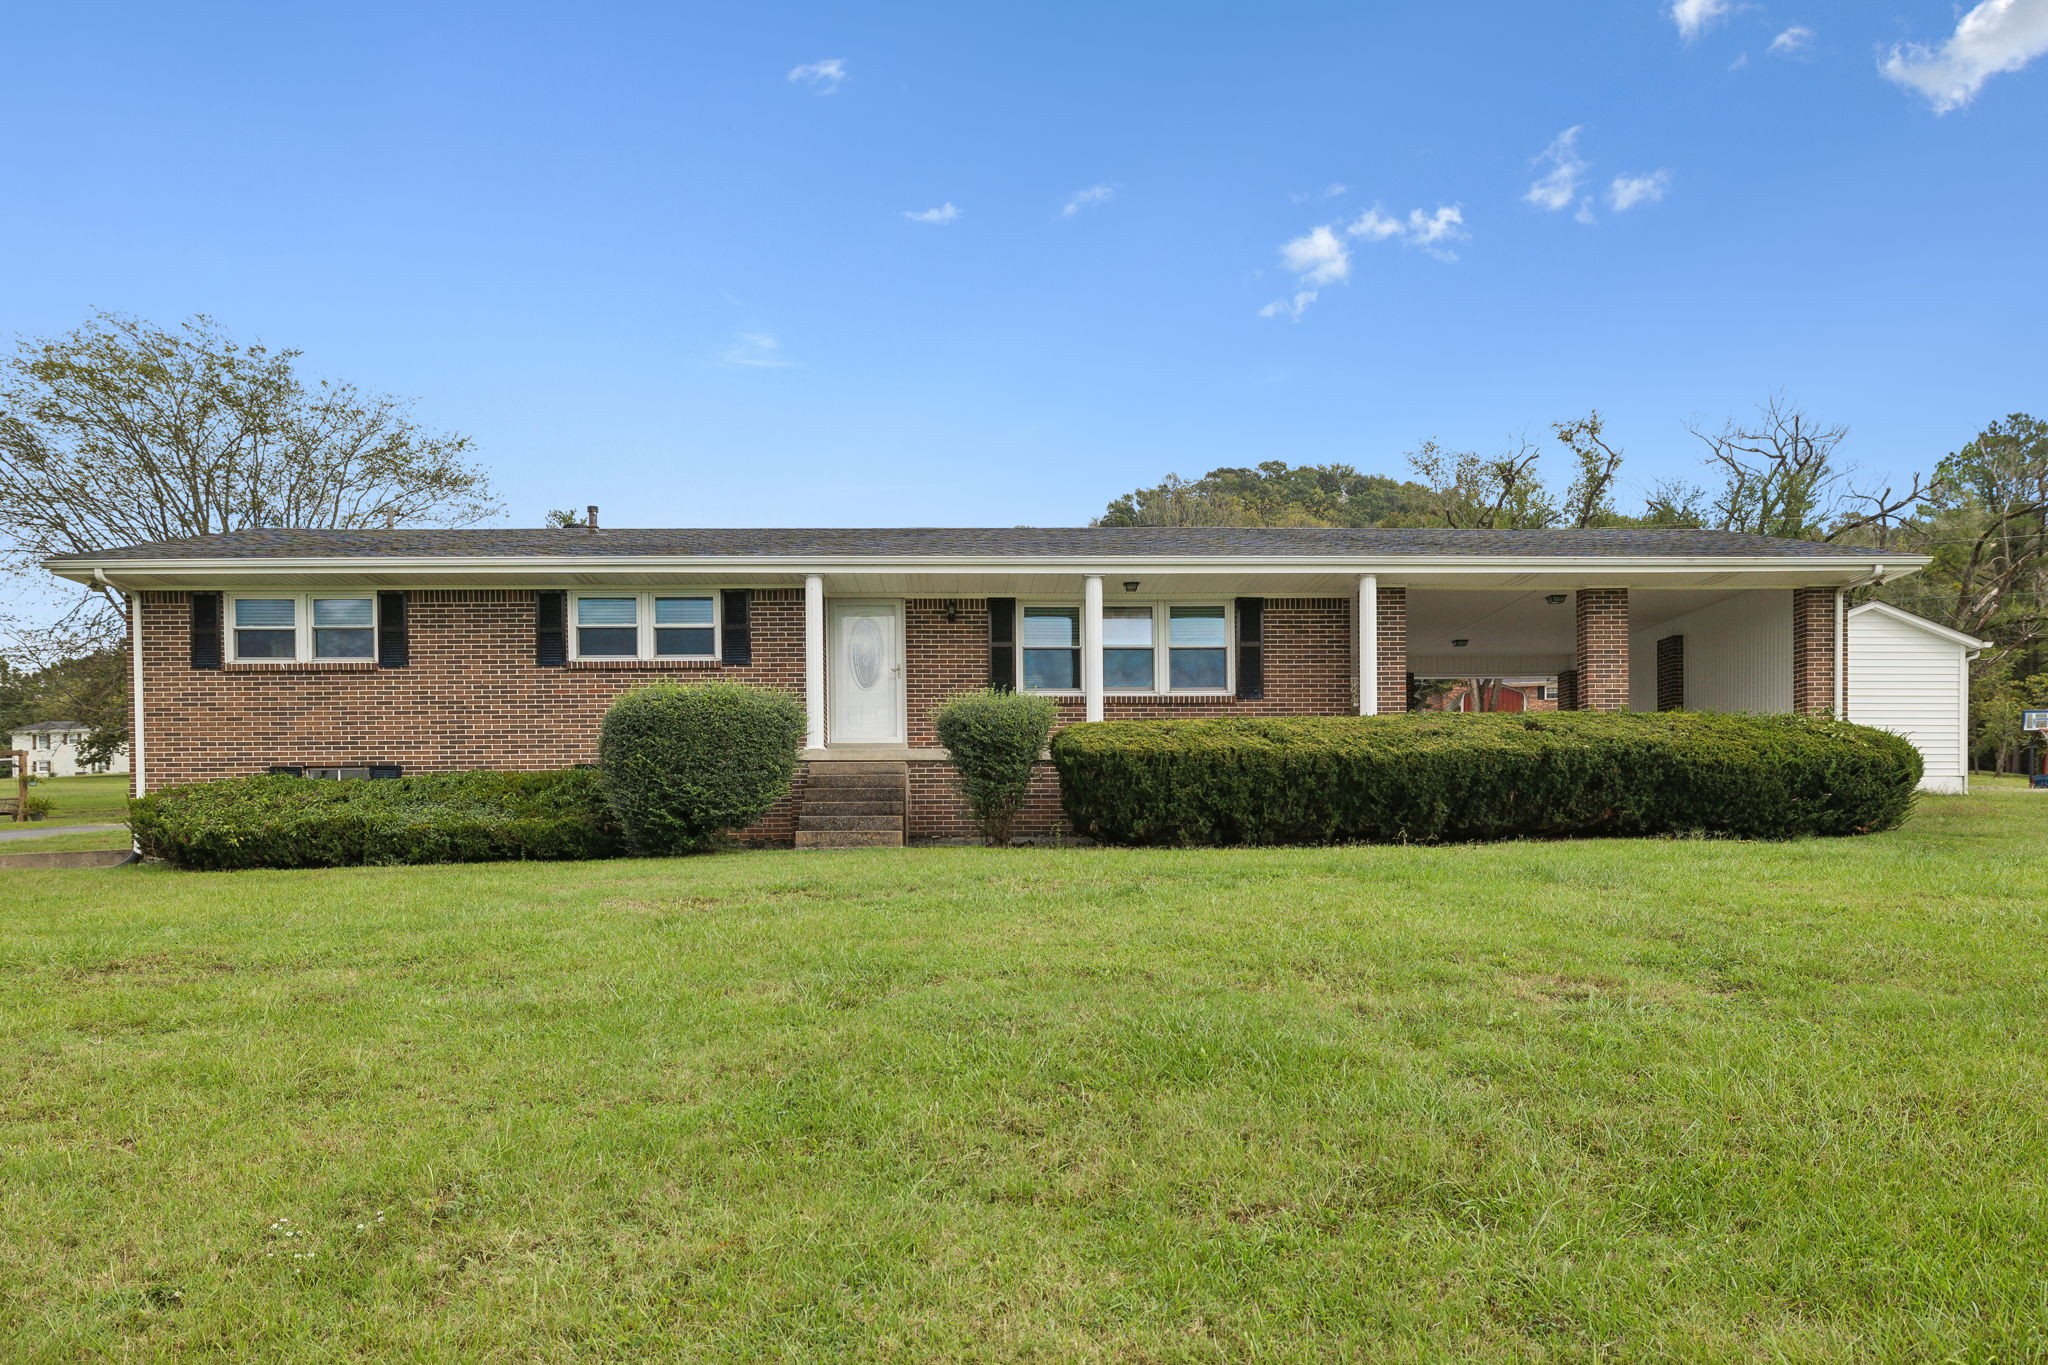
[1602, 673]
[1813, 651]
[1394, 683]
[472, 697]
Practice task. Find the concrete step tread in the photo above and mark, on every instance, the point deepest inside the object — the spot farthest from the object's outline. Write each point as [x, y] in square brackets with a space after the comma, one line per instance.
[864, 768]
[854, 806]
[808, 821]
[848, 838]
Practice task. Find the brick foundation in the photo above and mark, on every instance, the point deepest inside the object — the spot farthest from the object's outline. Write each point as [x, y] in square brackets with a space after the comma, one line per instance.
[1602, 672]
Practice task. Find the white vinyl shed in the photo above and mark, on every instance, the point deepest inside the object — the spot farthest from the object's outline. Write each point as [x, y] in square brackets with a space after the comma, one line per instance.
[1912, 677]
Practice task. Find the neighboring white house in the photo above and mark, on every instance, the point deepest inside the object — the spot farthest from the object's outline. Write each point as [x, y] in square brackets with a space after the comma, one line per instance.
[1912, 677]
[52, 747]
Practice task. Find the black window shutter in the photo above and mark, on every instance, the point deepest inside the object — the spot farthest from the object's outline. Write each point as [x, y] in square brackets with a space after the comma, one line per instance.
[1002, 643]
[735, 608]
[206, 641]
[1251, 648]
[392, 651]
[551, 629]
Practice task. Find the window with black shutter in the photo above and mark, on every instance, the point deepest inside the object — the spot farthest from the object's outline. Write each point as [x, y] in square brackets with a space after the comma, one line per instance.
[1002, 643]
[392, 648]
[550, 629]
[1251, 648]
[736, 607]
[206, 632]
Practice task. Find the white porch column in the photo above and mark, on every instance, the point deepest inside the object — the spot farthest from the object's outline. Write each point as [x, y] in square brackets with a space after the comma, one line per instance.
[814, 662]
[1091, 645]
[1368, 645]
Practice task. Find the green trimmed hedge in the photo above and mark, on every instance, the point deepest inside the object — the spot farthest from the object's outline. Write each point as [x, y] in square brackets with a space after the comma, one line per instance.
[469, 817]
[685, 762]
[994, 738]
[1439, 778]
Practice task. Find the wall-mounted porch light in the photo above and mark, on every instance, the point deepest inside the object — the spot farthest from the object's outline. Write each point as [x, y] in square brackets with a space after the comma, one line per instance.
[1130, 585]
[1555, 599]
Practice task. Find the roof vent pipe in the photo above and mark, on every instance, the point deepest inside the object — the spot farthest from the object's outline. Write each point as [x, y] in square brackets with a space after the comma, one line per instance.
[590, 524]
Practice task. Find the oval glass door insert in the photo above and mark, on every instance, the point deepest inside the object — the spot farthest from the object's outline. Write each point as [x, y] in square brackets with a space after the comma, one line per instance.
[864, 653]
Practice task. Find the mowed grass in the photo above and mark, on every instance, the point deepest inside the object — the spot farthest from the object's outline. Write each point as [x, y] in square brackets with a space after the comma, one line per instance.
[63, 843]
[101, 799]
[1602, 1100]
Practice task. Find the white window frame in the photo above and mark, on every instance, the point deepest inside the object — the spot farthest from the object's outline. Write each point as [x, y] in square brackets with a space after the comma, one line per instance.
[643, 624]
[1162, 664]
[302, 626]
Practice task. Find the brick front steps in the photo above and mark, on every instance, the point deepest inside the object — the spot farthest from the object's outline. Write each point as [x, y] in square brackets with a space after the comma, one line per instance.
[854, 805]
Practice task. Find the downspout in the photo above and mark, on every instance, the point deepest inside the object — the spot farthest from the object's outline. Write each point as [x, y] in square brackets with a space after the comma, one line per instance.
[135, 663]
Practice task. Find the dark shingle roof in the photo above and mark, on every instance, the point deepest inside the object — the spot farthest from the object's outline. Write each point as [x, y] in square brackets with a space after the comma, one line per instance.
[53, 726]
[1135, 542]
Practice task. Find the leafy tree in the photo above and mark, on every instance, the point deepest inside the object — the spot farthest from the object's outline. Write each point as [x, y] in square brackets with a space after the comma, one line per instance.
[122, 432]
[1590, 499]
[1470, 491]
[1273, 493]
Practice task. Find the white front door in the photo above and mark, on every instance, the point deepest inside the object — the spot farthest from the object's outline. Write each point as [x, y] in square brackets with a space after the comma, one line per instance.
[865, 681]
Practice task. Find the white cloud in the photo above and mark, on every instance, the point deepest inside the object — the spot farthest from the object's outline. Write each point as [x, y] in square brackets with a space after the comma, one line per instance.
[1559, 185]
[1584, 214]
[1627, 191]
[823, 77]
[1426, 230]
[1741, 60]
[1094, 194]
[1996, 36]
[1318, 257]
[1329, 191]
[1695, 17]
[755, 350]
[1446, 224]
[1289, 308]
[1793, 42]
[1374, 225]
[943, 214]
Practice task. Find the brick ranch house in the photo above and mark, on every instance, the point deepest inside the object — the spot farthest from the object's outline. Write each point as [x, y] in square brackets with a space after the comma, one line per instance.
[358, 653]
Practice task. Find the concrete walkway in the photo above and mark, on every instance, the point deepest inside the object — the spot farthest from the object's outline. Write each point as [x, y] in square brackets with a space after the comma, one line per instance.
[33, 830]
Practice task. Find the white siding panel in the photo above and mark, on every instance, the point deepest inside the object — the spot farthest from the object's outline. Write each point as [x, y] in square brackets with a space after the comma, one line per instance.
[1738, 654]
[1913, 684]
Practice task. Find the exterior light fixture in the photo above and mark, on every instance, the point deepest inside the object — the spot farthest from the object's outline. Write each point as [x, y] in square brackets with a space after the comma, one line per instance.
[1555, 599]
[952, 612]
[1459, 644]
[1130, 585]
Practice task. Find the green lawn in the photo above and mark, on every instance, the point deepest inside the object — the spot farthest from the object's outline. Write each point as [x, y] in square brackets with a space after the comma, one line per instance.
[100, 800]
[1605, 1100]
[61, 843]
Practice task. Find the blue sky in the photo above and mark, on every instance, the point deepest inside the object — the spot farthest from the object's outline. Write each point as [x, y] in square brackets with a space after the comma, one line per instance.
[664, 259]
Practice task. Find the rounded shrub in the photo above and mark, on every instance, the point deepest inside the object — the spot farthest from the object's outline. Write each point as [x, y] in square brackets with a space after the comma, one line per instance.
[994, 738]
[683, 763]
[245, 822]
[1430, 778]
